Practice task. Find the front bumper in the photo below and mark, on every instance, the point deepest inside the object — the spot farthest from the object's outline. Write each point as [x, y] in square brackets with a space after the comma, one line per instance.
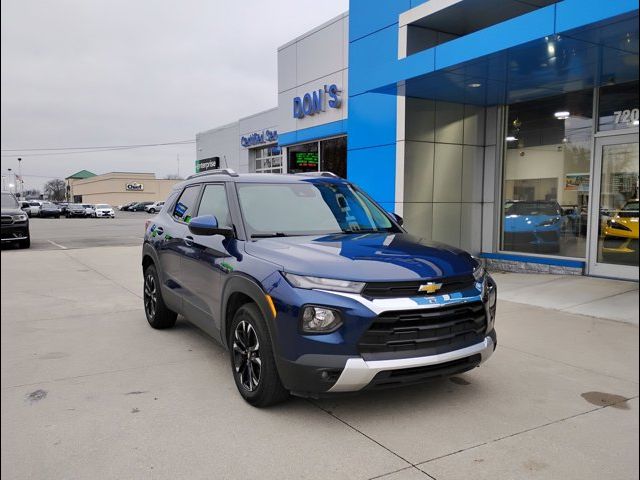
[15, 232]
[359, 373]
[318, 365]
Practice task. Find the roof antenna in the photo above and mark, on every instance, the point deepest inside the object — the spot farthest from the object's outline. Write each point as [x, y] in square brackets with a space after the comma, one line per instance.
[225, 161]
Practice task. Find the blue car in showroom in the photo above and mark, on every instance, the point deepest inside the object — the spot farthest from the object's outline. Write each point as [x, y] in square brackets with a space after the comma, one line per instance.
[533, 226]
[313, 287]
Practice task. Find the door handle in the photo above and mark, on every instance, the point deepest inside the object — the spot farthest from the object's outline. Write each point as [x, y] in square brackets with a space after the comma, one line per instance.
[188, 240]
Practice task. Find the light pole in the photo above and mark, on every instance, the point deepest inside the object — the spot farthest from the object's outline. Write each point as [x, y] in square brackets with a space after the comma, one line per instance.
[20, 175]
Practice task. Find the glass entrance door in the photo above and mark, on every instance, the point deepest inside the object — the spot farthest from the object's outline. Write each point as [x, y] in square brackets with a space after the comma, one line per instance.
[613, 238]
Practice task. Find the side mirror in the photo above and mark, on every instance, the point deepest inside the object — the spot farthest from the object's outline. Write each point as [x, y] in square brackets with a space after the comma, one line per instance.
[398, 218]
[208, 225]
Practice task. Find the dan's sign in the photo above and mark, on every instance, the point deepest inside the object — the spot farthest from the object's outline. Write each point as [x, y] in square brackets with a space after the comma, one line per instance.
[317, 101]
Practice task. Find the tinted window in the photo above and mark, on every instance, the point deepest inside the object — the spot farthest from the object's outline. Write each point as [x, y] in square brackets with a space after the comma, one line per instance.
[533, 208]
[214, 202]
[185, 205]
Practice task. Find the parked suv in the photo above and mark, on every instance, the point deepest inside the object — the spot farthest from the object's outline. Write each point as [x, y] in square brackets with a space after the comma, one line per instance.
[154, 207]
[312, 286]
[15, 222]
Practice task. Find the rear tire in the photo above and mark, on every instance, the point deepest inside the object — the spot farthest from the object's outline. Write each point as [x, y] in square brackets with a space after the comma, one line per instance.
[252, 362]
[157, 313]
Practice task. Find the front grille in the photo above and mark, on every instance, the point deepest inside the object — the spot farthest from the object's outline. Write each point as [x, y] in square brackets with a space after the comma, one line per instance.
[410, 289]
[7, 219]
[413, 333]
[409, 376]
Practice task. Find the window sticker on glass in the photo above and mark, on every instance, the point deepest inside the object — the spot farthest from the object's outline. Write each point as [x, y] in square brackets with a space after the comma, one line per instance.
[181, 209]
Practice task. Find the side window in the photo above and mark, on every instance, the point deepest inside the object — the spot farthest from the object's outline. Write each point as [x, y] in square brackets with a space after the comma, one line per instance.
[214, 202]
[185, 206]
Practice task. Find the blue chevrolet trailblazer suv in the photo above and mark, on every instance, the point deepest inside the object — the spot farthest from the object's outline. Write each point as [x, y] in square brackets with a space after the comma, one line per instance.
[312, 286]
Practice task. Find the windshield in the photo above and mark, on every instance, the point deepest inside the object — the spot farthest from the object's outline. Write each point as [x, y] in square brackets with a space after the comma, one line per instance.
[317, 208]
[103, 205]
[533, 208]
[9, 201]
[631, 207]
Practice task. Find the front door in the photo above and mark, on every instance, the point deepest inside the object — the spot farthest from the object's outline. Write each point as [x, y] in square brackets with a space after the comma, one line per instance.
[613, 238]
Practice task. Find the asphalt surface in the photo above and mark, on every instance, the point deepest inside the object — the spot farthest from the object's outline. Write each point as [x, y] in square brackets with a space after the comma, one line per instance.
[127, 228]
[89, 390]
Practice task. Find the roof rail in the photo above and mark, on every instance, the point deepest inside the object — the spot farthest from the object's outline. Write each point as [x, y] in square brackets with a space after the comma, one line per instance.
[219, 171]
[318, 174]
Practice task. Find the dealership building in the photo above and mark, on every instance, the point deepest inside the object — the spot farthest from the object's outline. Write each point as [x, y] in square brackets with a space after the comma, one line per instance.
[508, 128]
[117, 188]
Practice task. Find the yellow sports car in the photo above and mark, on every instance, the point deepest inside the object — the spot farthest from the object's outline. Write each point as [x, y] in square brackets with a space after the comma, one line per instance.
[620, 243]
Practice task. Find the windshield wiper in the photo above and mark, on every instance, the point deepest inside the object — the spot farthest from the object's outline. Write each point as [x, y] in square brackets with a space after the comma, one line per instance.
[269, 235]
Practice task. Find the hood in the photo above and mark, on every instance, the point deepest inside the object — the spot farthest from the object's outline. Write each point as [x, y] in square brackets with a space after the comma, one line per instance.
[631, 222]
[527, 223]
[12, 211]
[368, 257]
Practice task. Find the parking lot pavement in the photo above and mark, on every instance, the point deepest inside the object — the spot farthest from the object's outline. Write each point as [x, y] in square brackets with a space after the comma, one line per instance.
[89, 390]
[71, 233]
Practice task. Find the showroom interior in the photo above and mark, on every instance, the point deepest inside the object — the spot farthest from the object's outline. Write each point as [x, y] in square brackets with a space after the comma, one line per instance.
[509, 131]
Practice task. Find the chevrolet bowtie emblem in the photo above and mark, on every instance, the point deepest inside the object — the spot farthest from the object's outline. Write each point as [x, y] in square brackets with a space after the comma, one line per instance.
[430, 287]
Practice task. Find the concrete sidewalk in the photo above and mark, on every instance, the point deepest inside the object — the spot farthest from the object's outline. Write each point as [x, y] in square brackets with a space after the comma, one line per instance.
[90, 391]
[594, 297]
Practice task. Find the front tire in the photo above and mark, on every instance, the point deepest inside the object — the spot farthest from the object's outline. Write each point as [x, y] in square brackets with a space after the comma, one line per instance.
[157, 313]
[252, 362]
[26, 243]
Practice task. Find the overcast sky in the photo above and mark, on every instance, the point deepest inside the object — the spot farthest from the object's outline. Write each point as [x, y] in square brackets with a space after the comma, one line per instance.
[79, 73]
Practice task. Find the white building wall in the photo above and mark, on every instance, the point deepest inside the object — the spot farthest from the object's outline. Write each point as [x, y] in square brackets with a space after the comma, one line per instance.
[223, 142]
[308, 63]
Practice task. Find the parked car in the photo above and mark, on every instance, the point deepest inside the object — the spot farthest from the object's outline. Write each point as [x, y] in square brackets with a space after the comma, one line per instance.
[154, 207]
[620, 243]
[89, 209]
[313, 287]
[126, 206]
[533, 226]
[25, 207]
[104, 210]
[140, 206]
[63, 207]
[76, 210]
[35, 207]
[48, 209]
[15, 222]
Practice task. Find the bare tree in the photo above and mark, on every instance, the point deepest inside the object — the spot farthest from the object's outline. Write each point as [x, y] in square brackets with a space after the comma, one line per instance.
[55, 189]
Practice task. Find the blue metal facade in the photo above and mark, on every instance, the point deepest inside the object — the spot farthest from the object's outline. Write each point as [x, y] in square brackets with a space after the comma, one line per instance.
[587, 30]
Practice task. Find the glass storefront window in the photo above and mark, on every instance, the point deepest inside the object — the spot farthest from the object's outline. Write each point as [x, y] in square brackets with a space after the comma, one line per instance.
[546, 175]
[619, 107]
[325, 155]
[304, 158]
[333, 156]
[267, 159]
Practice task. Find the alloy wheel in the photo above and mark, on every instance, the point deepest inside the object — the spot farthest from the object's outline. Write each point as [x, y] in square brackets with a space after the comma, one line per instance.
[246, 355]
[150, 295]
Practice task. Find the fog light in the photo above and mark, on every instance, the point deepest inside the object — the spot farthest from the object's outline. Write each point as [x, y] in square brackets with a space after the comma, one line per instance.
[320, 320]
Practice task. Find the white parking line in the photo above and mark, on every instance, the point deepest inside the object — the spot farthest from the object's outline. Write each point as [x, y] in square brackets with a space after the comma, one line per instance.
[57, 245]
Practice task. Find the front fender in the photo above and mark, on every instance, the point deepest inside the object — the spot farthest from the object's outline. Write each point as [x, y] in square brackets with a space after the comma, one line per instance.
[240, 283]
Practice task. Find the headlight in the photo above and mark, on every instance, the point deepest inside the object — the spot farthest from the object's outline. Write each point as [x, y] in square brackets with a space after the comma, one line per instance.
[548, 223]
[300, 281]
[618, 226]
[19, 218]
[478, 273]
[320, 320]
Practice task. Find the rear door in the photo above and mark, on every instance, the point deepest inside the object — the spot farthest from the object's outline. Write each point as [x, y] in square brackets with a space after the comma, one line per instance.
[206, 259]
